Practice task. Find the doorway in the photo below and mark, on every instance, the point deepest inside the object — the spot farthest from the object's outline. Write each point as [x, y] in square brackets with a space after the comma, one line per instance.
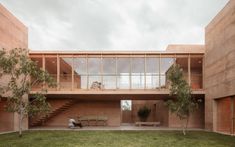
[126, 111]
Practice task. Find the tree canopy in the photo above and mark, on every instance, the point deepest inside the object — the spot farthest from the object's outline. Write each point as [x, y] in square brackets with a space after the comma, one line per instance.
[182, 104]
[21, 74]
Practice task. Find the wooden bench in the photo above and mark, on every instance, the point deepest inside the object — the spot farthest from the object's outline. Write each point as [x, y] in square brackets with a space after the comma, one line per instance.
[92, 118]
[147, 123]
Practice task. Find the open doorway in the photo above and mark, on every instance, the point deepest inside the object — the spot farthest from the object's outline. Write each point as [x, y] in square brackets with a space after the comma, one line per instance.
[126, 111]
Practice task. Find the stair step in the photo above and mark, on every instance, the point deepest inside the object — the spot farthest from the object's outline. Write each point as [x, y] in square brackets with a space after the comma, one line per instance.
[53, 113]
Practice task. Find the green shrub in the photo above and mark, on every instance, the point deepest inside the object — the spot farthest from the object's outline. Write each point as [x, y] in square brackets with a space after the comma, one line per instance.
[143, 113]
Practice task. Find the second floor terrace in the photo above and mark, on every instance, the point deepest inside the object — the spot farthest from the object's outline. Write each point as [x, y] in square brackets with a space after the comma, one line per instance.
[117, 71]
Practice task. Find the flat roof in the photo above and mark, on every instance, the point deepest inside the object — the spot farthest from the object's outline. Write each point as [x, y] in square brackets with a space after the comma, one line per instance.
[171, 49]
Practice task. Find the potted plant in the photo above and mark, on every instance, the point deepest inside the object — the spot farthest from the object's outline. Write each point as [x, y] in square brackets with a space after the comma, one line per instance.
[143, 113]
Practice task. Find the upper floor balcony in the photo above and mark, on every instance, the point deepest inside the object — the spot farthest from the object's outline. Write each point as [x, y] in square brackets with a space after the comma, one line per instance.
[117, 71]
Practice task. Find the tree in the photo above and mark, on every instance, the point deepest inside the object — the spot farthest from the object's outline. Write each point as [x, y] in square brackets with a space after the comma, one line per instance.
[143, 113]
[184, 104]
[23, 74]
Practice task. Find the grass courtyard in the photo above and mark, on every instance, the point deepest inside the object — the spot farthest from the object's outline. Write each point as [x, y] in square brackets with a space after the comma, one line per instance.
[116, 139]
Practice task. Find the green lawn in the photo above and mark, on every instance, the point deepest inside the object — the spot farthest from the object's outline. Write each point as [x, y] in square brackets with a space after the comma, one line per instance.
[116, 138]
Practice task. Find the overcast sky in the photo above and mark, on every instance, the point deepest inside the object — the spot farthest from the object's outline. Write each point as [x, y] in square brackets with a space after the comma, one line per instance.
[113, 24]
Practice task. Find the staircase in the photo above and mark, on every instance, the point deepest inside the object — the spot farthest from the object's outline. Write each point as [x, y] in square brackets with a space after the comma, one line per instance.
[53, 113]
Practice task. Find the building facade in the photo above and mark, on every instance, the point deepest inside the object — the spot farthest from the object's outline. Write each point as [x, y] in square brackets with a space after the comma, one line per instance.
[219, 71]
[94, 83]
[14, 34]
[90, 78]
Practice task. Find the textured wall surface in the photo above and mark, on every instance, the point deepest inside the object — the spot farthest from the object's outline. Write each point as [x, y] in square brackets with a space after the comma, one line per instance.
[160, 113]
[6, 118]
[13, 34]
[219, 70]
[196, 119]
[111, 109]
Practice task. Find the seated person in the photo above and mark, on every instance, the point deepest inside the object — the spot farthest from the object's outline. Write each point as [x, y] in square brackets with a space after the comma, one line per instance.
[72, 123]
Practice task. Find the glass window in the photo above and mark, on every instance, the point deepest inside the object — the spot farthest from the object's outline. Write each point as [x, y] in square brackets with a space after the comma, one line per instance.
[95, 82]
[66, 73]
[80, 66]
[183, 62]
[36, 85]
[137, 75]
[123, 73]
[51, 68]
[94, 71]
[109, 65]
[80, 73]
[152, 72]
[196, 72]
[109, 73]
[94, 66]
[166, 63]
[109, 82]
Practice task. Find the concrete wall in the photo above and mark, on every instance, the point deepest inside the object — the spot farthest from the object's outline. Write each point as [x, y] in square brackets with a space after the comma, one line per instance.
[6, 118]
[219, 77]
[160, 113]
[13, 34]
[196, 119]
[111, 109]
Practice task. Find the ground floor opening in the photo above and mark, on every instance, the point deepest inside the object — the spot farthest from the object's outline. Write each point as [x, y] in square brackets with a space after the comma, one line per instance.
[161, 114]
[110, 112]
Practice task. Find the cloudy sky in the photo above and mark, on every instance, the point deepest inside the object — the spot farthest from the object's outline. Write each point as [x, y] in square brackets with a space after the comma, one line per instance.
[113, 24]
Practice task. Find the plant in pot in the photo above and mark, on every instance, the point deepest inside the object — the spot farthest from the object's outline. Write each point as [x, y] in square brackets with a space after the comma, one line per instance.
[143, 113]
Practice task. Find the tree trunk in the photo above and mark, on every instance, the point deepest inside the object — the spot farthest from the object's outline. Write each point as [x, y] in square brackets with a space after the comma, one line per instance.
[20, 131]
[20, 121]
[185, 126]
[184, 132]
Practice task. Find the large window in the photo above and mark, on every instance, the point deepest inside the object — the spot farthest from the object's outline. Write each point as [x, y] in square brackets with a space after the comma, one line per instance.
[196, 72]
[94, 73]
[66, 64]
[109, 73]
[80, 73]
[123, 73]
[38, 61]
[137, 73]
[183, 62]
[51, 68]
[166, 63]
[152, 72]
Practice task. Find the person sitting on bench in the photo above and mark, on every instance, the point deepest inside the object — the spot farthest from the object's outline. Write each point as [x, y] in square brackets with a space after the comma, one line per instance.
[72, 123]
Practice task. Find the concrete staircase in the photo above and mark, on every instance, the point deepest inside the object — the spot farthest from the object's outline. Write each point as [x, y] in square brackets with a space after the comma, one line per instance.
[41, 121]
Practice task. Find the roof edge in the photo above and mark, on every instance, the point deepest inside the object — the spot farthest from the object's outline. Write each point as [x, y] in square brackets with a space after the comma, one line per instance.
[227, 8]
[171, 49]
